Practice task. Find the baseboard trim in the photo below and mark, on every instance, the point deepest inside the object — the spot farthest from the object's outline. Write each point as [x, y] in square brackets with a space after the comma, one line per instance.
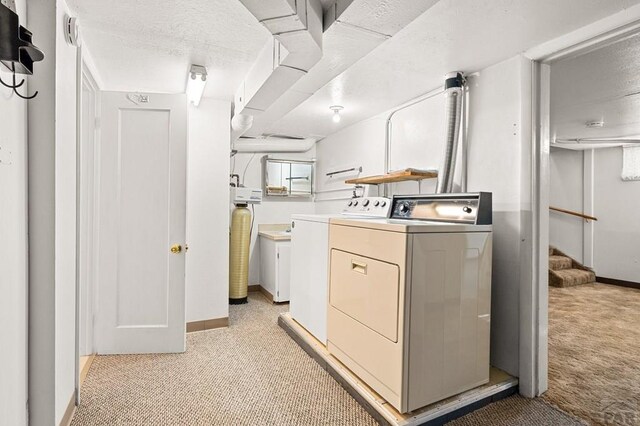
[254, 288]
[209, 324]
[266, 293]
[620, 283]
[69, 412]
[85, 368]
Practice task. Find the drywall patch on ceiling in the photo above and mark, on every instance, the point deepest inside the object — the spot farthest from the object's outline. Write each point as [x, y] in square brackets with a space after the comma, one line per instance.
[147, 45]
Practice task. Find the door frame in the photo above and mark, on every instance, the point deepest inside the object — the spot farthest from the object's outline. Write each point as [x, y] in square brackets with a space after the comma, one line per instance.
[534, 298]
[86, 79]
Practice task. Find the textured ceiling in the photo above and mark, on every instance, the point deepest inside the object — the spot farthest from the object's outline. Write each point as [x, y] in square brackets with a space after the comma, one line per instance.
[466, 35]
[147, 45]
[601, 85]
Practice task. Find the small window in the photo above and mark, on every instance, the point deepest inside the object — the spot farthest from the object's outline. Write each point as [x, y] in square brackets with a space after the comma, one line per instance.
[287, 178]
[631, 163]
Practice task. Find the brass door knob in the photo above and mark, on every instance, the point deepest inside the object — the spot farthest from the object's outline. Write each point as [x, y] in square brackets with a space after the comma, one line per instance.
[176, 248]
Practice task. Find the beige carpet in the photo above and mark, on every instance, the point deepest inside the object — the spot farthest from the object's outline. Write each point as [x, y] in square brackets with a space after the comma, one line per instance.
[516, 411]
[594, 353]
[567, 272]
[251, 373]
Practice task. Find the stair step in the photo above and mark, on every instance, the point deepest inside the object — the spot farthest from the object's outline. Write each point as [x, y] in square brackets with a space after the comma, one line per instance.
[557, 263]
[570, 277]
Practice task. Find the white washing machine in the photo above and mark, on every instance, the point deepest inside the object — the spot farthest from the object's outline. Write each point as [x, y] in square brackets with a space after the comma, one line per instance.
[309, 261]
[410, 297]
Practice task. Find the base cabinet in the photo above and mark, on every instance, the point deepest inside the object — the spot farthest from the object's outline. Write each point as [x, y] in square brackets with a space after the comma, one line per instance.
[275, 263]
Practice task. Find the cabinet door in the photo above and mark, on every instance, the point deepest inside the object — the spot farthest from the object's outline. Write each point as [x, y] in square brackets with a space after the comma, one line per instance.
[268, 265]
[284, 272]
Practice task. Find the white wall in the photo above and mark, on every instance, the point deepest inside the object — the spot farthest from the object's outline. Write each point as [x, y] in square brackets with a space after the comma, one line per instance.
[615, 234]
[497, 132]
[600, 84]
[417, 142]
[52, 218]
[41, 211]
[272, 209]
[13, 251]
[65, 177]
[360, 145]
[617, 231]
[498, 149]
[207, 262]
[566, 233]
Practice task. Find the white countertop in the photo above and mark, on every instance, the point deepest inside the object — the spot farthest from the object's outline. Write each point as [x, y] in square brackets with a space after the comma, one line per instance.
[276, 232]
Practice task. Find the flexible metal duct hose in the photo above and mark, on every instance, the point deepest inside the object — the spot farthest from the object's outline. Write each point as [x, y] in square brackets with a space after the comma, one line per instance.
[453, 99]
[239, 255]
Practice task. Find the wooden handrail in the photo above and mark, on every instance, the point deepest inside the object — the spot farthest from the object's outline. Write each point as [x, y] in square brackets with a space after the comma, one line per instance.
[572, 213]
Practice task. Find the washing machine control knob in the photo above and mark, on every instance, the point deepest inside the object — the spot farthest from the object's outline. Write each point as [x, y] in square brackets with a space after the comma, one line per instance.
[365, 202]
[350, 203]
[403, 208]
[384, 203]
[355, 203]
[376, 203]
[466, 209]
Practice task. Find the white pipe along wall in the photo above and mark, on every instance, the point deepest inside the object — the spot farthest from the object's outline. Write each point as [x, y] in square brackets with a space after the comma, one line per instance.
[273, 145]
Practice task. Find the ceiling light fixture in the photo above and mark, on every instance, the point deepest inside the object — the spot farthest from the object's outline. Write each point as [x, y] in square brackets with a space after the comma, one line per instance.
[196, 83]
[336, 112]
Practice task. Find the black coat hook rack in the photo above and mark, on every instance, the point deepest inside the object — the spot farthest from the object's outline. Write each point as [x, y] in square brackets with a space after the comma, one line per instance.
[17, 51]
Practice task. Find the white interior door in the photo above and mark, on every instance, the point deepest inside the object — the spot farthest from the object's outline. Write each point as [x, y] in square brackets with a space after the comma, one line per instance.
[141, 300]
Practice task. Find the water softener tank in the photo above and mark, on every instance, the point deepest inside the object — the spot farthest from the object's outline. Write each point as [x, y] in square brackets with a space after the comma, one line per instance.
[239, 241]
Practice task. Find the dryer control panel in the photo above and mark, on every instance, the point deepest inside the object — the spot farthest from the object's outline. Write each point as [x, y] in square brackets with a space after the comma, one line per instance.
[368, 206]
[453, 208]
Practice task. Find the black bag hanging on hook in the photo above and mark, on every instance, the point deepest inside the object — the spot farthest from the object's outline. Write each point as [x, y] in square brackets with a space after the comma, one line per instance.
[17, 51]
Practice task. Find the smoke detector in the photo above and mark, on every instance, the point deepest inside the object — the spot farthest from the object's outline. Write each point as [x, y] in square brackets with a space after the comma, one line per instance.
[71, 31]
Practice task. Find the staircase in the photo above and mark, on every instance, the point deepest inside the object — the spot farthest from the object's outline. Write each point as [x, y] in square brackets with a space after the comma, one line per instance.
[566, 272]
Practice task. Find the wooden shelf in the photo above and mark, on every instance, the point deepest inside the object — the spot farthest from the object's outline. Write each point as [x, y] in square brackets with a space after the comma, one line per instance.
[400, 176]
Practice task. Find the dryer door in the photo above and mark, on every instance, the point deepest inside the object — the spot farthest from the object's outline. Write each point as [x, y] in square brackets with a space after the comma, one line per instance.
[366, 290]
